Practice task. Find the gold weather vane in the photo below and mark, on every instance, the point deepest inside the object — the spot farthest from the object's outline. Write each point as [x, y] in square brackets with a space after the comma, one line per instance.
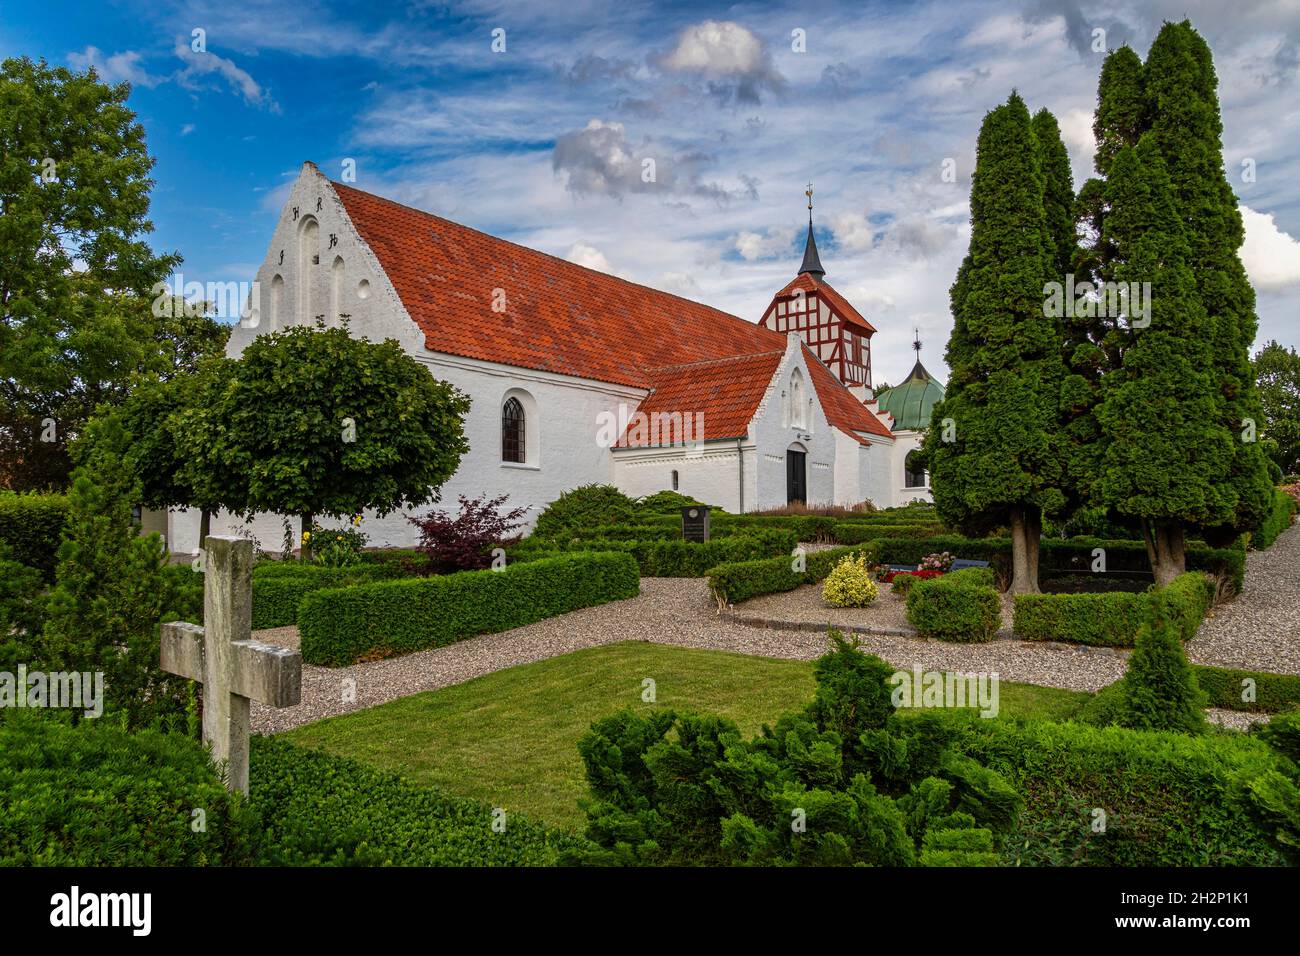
[808, 192]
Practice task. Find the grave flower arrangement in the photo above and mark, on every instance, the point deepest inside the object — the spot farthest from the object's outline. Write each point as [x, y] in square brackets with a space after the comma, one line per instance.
[940, 562]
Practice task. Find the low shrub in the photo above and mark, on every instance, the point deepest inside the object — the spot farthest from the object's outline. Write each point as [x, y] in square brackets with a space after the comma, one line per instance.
[322, 810]
[369, 621]
[738, 581]
[1254, 691]
[666, 503]
[1273, 798]
[32, 526]
[677, 559]
[691, 790]
[466, 542]
[90, 794]
[850, 583]
[957, 607]
[585, 510]
[1165, 796]
[1108, 619]
[280, 586]
[1278, 520]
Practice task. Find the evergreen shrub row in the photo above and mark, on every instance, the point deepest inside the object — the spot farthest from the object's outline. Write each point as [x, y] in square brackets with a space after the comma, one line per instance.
[961, 607]
[738, 581]
[340, 626]
[32, 525]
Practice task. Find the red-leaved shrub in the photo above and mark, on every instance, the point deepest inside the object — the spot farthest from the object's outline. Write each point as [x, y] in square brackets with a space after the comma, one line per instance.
[465, 542]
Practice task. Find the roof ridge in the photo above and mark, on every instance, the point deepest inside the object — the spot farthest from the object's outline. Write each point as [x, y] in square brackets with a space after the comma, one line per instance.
[548, 255]
[716, 361]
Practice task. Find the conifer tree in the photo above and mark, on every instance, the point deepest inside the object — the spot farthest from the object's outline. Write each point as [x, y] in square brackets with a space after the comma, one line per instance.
[993, 448]
[1160, 689]
[1163, 446]
[1183, 108]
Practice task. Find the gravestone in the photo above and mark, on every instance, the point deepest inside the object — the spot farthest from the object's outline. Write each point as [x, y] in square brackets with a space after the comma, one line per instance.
[695, 523]
[234, 669]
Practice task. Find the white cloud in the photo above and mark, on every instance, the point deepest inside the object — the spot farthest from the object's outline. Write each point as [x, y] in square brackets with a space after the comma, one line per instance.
[1271, 256]
[753, 246]
[187, 129]
[725, 50]
[118, 67]
[589, 256]
[852, 231]
[208, 63]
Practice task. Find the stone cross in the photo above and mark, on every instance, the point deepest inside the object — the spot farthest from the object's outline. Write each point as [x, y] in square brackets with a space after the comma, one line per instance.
[233, 668]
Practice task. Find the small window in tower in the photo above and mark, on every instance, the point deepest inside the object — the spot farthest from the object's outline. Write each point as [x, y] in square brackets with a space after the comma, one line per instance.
[512, 431]
[674, 479]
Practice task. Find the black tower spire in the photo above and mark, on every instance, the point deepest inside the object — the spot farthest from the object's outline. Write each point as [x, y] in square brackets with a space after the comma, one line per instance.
[811, 263]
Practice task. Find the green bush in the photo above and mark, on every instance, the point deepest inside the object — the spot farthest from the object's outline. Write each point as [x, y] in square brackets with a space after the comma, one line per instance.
[829, 785]
[1101, 620]
[322, 810]
[666, 503]
[1273, 798]
[738, 581]
[850, 584]
[1278, 520]
[585, 510]
[1226, 688]
[341, 626]
[1165, 796]
[280, 586]
[22, 611]
[1109, 619]
[956, 607]
[91, 794]
[32, 526]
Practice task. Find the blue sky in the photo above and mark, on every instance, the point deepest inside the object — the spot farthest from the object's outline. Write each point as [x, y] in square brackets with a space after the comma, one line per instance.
[544, 142]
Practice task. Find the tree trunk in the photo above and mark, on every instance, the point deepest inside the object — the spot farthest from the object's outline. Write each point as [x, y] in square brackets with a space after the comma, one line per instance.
[1170, 553]
[205, 527]
[1033, 541]
[1022, 581]
[308, 518]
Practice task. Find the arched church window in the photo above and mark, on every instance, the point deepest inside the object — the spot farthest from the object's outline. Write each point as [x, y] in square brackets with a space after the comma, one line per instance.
[336, 292]
[798, 403]
[674, 479]
[512, 431]
[308, 258]
[913, 472]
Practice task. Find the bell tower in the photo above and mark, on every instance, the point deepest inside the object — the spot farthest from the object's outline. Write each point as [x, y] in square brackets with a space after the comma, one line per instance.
[832, 329]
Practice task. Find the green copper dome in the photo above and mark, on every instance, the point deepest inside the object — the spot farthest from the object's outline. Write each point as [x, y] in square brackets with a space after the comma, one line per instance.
[911, 401]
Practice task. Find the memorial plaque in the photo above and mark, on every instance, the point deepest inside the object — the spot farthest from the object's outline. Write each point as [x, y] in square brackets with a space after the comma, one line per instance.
[695, 523]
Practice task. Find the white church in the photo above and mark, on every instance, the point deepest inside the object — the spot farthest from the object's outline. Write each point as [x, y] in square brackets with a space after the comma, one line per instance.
[579, 377]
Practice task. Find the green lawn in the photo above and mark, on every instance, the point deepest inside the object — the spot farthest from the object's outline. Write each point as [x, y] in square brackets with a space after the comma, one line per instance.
[510, 738]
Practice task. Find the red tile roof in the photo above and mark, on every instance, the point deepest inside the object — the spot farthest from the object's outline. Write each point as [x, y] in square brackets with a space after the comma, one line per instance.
[564, 318]
[810, 283]
[843, 409]
[723, 392]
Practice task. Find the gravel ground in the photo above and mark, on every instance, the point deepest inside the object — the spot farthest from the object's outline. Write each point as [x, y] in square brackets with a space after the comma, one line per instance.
[1260, 630]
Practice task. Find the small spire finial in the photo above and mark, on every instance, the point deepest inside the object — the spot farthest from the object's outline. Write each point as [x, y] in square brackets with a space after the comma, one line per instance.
[916, 341]
[809, 193]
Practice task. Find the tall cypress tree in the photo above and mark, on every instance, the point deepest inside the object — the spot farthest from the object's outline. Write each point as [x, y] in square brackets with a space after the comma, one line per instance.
[1164, 448]
[1058, 191]
[994, 447]
[1183, 107]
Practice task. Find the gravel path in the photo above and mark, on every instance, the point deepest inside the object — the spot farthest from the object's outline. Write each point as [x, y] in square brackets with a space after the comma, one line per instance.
[1260, 630]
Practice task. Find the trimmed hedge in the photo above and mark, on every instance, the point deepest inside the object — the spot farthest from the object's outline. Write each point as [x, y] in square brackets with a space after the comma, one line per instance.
[280, 586]
[1074, 554]
[340, 626]
[1278, 520]
[677, 559]
[961, 607]
[1100, 620]
[90, 794]
[1273, 692]
[1108, 620]
[32, 526]
[1166, 796]
[739, 581]
[323, 810]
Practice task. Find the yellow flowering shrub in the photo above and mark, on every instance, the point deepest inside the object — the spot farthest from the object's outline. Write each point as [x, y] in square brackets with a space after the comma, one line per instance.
[850, 583]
